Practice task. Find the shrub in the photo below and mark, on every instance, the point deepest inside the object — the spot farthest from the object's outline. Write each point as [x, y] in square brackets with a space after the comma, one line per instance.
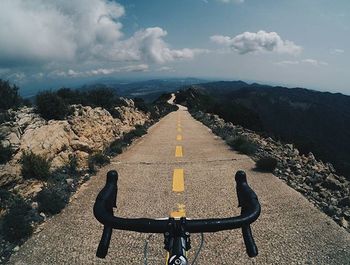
[34, 166]
[139, 130]
[9, 96]
[72, 164]
[16, 223]
[242, 144]
[52, 199]
[50, 106]
[267, 164]
[5, 198]
[98, 159]
[4, 117]
[141, 105]
[5, 154]
[102, 97]
[116, 147]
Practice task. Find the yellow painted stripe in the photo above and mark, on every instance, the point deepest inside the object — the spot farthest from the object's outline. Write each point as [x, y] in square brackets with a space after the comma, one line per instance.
[179, 137]
[178, 180]
[178, 151]
[179, 129]
[166, 258]
[181, 212]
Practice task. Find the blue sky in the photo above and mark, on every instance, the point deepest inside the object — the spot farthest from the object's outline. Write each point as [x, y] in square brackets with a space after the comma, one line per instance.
[47, 44]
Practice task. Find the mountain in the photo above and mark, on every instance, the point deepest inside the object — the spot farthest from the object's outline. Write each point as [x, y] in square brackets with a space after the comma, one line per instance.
[317, 122]
[149, 90]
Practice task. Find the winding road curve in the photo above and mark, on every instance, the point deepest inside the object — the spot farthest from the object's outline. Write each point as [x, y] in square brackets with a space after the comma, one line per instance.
[157, 179]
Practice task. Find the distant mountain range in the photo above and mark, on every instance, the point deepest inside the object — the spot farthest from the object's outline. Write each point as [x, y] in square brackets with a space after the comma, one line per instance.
[314, 121]
[149, 90]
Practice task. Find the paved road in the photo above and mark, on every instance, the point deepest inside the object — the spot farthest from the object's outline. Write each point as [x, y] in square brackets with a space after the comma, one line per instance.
[289, 231]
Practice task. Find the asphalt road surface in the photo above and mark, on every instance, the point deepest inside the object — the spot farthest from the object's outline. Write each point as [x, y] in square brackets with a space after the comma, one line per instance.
[181, 168]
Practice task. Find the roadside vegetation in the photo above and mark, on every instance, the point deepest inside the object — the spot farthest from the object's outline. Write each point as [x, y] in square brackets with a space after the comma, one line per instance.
[242, 144]
[34, 166]
[266, 164]
[19, 215]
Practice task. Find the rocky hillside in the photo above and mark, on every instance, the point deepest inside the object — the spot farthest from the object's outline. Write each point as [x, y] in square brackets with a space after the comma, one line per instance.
[88, 130]
[316, 180]
[317, 122]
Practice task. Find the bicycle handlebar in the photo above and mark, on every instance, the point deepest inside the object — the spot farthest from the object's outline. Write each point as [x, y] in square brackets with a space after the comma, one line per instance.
[106, 200]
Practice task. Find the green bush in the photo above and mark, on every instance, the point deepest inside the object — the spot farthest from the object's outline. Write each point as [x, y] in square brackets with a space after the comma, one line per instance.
[50, 106]
[9, 96]
[137, 132]
[5, 154]
[266, 164]
[242, 144]
[4, 117]
[5, 198]
[141, 105]
[102, 97]
[16, 223]
[116, 147]
[34, 166]
[140, 130]
[72, 164]
[52, 199]
[98, 159]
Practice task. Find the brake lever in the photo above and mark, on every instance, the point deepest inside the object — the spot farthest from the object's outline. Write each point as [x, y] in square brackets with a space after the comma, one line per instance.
[251, 248]
[103, 246]
[102, 249]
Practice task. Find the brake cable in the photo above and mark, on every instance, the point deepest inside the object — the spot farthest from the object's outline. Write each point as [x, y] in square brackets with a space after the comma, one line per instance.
[145, 250]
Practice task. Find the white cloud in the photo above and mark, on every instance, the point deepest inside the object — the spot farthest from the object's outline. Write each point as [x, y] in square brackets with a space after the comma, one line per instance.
[165, 69]
[312, 62]
[39, 32]
[56, 30]
[248, 42]
[232, 1]
[148, 45]
[337, 51]
[100, 71]
[288, 62]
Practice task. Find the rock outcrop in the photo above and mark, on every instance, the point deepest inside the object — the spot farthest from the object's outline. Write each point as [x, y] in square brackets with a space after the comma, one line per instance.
[315, 179]
[86, 131]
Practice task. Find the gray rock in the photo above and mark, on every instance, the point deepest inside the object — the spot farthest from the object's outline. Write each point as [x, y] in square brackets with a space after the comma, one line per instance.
[345, 202]
[332, 183]
[69, 181]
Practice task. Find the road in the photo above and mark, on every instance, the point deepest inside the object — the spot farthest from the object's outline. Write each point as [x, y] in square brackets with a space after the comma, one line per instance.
[181, 168]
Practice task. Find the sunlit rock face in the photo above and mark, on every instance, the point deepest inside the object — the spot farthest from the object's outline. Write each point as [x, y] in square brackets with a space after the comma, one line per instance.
[86, 131]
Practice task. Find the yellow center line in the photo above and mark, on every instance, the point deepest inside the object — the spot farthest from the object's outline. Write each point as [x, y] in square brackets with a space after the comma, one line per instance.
[179, 137]
[178, 151]
[178, 180]
[179, 129]
[181, 212]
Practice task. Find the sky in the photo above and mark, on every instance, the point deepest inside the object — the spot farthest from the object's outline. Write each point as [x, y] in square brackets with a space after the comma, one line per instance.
[46, 44]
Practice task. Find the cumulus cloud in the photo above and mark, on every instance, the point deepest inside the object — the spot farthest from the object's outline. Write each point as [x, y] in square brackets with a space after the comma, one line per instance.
[148, 45]
[39, 32]
[249, 42]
